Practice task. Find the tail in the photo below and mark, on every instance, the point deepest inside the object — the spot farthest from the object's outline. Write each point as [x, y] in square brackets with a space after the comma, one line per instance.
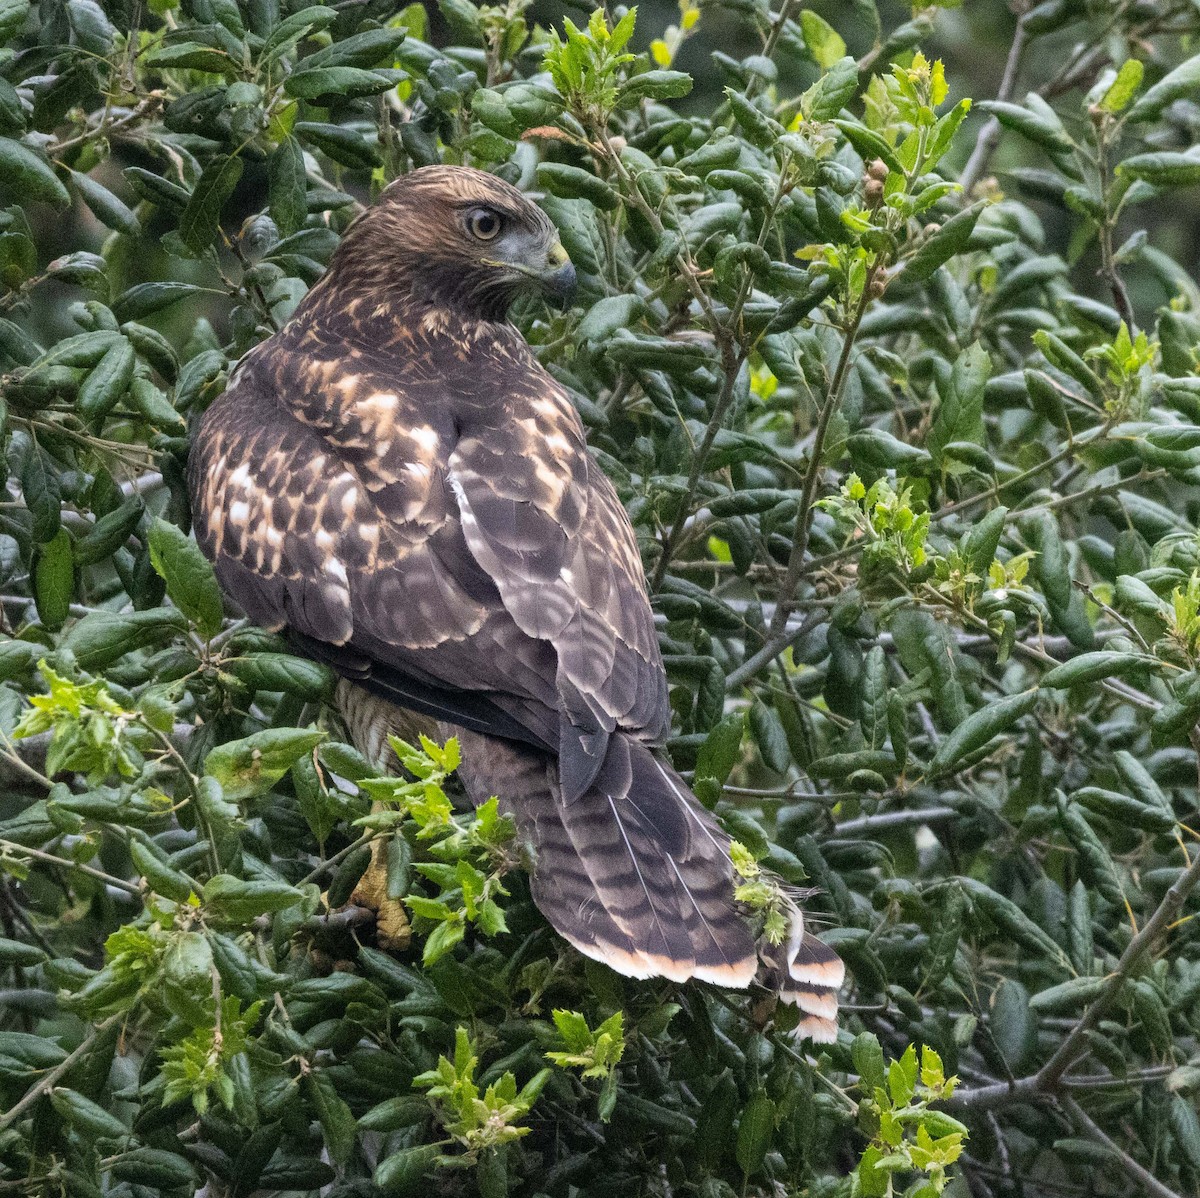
[634, 873]
[637, 874]
[807, 973]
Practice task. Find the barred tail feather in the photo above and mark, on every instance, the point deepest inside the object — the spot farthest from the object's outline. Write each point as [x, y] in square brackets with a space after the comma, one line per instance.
[634, 872]
[807, 973]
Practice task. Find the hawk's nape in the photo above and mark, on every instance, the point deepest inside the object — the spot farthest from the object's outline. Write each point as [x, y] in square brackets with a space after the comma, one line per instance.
[395, 482]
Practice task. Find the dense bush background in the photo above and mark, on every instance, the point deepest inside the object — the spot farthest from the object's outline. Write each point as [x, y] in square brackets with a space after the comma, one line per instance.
[914, 467]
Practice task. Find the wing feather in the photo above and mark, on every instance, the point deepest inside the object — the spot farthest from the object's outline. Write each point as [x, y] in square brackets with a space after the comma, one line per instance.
[472, 544]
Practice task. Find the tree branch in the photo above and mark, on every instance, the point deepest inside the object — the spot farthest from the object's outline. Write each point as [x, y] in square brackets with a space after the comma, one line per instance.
[989, 135]
[47, 1083]
[1049, 1079]
[1143, 1177]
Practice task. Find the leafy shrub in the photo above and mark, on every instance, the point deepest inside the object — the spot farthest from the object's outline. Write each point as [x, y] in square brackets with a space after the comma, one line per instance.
[912, 460]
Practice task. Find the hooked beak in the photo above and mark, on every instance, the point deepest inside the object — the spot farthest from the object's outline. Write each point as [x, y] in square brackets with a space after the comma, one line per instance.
[557, 279]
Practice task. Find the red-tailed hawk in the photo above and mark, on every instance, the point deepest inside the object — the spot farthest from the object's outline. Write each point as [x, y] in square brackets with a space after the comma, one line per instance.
[395, 481]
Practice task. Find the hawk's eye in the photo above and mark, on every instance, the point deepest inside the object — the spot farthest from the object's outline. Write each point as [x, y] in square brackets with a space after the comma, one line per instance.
[484, 223]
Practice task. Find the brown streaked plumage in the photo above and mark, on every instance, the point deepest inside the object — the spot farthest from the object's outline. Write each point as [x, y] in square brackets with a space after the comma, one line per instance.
[395, 481]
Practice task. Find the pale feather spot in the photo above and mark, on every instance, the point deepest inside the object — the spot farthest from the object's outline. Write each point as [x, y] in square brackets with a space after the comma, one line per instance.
[239, 512]
[350, 500]
[378, 403]
[324, 539]
[547, 407]
[554, 482]
[425, 437]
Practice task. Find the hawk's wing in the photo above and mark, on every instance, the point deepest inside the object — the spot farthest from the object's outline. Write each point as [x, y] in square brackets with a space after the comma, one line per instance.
[472, 552]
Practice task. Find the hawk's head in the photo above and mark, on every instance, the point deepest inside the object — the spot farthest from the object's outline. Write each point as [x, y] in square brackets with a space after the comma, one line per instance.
[462, 238]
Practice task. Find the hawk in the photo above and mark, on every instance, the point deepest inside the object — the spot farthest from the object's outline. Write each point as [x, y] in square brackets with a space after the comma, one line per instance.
[396, 483]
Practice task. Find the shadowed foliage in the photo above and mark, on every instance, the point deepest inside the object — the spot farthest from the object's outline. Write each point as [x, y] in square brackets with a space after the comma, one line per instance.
[901, 393]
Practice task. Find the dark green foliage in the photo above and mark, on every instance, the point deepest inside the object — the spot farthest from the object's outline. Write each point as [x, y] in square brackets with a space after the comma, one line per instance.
[912, 453]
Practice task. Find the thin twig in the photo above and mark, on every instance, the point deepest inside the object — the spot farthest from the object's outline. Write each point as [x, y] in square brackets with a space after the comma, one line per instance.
[771, 650]
[812, 475]
[47, 1082]
[1048, 1076]
[989, 135]
[74, 866]
[1142, 1176]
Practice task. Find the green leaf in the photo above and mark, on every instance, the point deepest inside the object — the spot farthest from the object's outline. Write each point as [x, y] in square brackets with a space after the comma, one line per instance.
[393, 1114]
[824, 43]
[54, 580]
[201, 219]
[19, 954]
[979, 728]
[572, 182]
[191, 56]
[1094, 859]
[960, 414]
[1124, 87]
[296, 26]
[365, 49]
[875, 447]
[350, 82]
[335, 1117]
[254, 764]
[401, 1172]
[102, 638]
[655, 85]
[190, 580]
[164, 880]
[943, 244]
[868, 1061]
[87, 1116]
[28, 176]
[43, 497]
[769, 736]
[760, 129]
[153, 1167]
[754, 1132]
[287, 186]
[241, 901]
[1034, 120]
[833, 91]
[281, 672]
[144, 299]
[345, 146]
[108, 381]
[106, 207]
[1164, 168]
[1012, 1024]
[1094, 667]
[721, 750]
